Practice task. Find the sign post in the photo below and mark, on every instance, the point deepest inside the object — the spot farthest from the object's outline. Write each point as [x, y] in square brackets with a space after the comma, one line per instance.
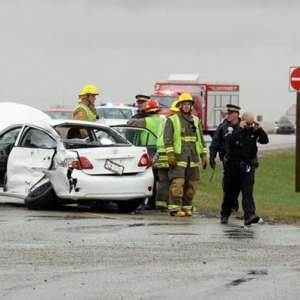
[295, 87]
[298, 143]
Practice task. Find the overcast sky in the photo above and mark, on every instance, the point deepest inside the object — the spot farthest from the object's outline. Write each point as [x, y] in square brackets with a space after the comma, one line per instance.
[50, 49]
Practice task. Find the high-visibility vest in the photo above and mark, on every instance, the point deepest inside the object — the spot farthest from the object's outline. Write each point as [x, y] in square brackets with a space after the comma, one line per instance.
[178, 139]
[91, 117]
[162, 161]
[152, 123]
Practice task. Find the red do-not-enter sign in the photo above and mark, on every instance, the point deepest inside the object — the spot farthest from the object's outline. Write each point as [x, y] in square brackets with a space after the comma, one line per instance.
[295, 79]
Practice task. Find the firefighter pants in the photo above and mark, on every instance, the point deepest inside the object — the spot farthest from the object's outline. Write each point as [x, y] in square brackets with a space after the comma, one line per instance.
[163, 187]
[183, 188]
[238, 175]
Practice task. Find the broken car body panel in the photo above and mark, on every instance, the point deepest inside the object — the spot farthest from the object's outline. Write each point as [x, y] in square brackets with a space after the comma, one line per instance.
[115, 169]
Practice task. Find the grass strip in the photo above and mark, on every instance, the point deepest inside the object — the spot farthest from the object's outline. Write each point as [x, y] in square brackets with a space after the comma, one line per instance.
[275, 193]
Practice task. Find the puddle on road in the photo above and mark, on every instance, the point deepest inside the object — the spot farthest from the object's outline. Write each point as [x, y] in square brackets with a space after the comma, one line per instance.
[239, 281]
[158, 224]
[258, 272]
[176, 233]
[278, 234]
[114, 227]
[239, 234]
[40, 218]
[251, 273]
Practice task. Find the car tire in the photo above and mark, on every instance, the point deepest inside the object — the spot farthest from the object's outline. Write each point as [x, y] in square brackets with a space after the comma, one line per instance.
[104, 206]
[41, 198]
[129, 205]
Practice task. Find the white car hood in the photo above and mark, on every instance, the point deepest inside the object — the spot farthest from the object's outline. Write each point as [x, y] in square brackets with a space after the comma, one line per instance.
[14, 113]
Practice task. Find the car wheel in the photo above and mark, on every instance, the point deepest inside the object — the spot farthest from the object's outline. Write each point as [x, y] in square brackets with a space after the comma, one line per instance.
[104, 206]
[129, 205]
[42, 197]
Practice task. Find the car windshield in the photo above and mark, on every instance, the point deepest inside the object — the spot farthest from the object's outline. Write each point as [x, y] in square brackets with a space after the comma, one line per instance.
[64, 115]
[283, 120]
[120, 113]
[164, 101]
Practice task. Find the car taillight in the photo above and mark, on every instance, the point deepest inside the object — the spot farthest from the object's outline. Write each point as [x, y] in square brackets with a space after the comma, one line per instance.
[82, 164]
[145, 161]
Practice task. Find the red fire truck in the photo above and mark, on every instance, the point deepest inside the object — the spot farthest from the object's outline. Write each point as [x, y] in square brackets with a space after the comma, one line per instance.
[210, 98]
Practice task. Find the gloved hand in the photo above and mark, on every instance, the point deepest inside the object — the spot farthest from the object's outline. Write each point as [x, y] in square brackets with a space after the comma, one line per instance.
[172, 160]
[212, 163]
[204, 160]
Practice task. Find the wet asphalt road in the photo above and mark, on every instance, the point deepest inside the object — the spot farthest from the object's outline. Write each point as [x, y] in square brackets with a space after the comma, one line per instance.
[80, 254]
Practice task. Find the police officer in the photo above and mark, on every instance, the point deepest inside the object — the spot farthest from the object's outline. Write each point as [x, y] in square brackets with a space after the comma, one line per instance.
[141, 103]
[153, 121]
[218, 144]
[239, 167]
[184, 144]
[85, 109]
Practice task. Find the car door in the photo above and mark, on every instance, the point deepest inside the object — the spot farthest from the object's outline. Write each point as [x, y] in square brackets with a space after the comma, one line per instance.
[8, 138]
[139, 137]
[32, 154]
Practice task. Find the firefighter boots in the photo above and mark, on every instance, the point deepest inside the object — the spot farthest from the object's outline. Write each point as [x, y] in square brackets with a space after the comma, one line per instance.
[188, 213]
[177, 214]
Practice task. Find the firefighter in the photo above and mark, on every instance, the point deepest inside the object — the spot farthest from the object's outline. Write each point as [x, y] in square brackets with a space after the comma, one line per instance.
[152, 122]
[163, 184]
[218, 144]
[141, 103]
[85, 109]
[239, 167]
[184, 143]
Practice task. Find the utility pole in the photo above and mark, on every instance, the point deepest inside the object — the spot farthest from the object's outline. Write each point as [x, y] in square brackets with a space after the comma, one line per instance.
[295, 87]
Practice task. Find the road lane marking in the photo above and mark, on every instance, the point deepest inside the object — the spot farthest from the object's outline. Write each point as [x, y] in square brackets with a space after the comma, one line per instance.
[104, 216]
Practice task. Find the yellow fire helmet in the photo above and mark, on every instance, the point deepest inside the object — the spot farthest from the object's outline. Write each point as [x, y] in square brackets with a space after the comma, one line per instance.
[184, 97]
[174, 109]
[88, 90]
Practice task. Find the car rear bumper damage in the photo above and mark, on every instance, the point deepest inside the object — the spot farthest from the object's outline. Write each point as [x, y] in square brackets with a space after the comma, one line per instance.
[111, 187]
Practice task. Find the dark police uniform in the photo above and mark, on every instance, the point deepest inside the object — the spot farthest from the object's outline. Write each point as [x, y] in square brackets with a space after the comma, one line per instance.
[141, 113]
[218, 145]
[239, 169]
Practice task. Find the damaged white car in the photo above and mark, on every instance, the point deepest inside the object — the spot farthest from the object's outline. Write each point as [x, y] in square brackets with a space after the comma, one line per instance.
[52, 162]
